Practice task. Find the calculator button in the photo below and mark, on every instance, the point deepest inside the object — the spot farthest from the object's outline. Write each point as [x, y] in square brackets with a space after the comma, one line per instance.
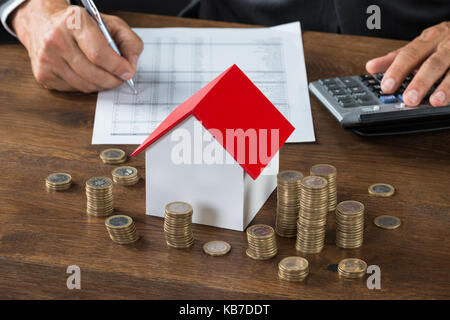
[336, 92]
[342, 97]
[327, 81]
[366, 101]
[332, 87]
[376, 87]
[379, 76]
[356, 89]
[366, 77]
[371, 82]
[400, 97]
[349, 82]
[348, 103]
[389, 98]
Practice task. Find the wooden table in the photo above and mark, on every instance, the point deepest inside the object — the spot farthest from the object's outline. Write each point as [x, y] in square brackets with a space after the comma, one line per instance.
[42, 233]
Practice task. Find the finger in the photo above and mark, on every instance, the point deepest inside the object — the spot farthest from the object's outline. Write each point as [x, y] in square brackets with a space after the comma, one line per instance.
[96, 48]
[87, 70]
[430, 71]
[407, 59]
[65, 72]
[381, 64]
[58, 84]
[129, 43]
[441, 96]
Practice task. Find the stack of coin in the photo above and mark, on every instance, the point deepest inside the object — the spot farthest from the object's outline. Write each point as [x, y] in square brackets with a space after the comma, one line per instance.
[328, 172]
[349, 224]
[262, 244]
[313, 215]
[288, 204]
[113, 156]
[99, 193]
[352, 268]
[177, 225]
[125, 176]
[293, 269]
[58, 181]
[121, 229]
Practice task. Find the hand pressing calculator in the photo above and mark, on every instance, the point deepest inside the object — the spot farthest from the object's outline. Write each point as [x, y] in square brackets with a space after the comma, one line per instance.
[358, 103]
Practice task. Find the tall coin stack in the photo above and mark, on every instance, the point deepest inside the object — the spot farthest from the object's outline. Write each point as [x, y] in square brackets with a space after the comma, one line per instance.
[288, 204]
[262, 244]
[313, 215]
[177, 225]
[99, 193]
[349, 224]
[293, 268]
[121, 229]
[328, 172]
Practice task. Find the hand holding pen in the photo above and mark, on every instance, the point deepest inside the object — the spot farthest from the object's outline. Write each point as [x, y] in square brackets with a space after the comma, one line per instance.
[70, 56]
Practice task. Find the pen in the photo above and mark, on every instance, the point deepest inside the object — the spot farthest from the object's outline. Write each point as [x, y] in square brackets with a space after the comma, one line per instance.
[93, 11]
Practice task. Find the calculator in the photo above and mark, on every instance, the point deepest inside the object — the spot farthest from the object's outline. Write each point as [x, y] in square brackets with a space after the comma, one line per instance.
[359, 104]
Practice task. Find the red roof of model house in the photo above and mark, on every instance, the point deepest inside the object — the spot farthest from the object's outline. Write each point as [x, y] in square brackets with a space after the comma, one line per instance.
[232, 102]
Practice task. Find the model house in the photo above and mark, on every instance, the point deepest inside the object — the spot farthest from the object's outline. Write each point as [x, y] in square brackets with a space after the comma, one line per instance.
[218, 151]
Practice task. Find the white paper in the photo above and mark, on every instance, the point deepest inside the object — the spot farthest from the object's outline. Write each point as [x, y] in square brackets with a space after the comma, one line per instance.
[177, 62]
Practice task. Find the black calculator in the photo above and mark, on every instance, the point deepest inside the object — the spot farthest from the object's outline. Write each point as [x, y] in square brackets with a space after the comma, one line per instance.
[359, 104]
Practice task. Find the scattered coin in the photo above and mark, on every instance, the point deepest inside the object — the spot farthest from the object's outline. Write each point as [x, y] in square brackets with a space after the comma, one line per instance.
[381, 190]
[349, 224]
[216, 248]
[262, 244]
[177, 225]
[58, 181]
[288, 202]
[125, 176]
[312, 218]
[352, 268]
[293, 269]
[328, 172]
[387, 222]
[99, 194]
[113, 156]
[121, 229]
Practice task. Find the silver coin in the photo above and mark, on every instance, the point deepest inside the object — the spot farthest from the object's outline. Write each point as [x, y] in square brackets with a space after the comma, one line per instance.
[216, 248]
[99, 182]
[124, 171]
[59, 177]
[113, 154]
[290, 175]
[179, 207]
[118, 221]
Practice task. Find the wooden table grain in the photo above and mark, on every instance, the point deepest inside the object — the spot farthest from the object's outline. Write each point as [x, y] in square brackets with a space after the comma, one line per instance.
[42, 233]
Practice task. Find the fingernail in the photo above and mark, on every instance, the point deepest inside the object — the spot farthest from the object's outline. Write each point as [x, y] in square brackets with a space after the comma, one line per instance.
[388, 84]
[134, 61]
[127, 76]
[439, 96]
[411, 96]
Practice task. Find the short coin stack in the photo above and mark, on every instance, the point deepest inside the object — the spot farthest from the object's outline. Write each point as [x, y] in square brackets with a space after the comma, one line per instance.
[349, 224]
[125, 176]
[352, 268]
[312, 219]
[58, 181]
[113, 156]
[328, 172]
[99, 193]
[177, 225]
[293, 269]
[288, 203]
[121, 229]
[262, 244]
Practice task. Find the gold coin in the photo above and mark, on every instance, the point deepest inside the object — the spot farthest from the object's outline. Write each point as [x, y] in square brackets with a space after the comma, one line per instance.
[381, 190]
[216, 248]
[387, 222]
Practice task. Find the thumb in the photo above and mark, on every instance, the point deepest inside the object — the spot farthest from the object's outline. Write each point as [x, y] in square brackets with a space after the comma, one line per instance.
[129, 43]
